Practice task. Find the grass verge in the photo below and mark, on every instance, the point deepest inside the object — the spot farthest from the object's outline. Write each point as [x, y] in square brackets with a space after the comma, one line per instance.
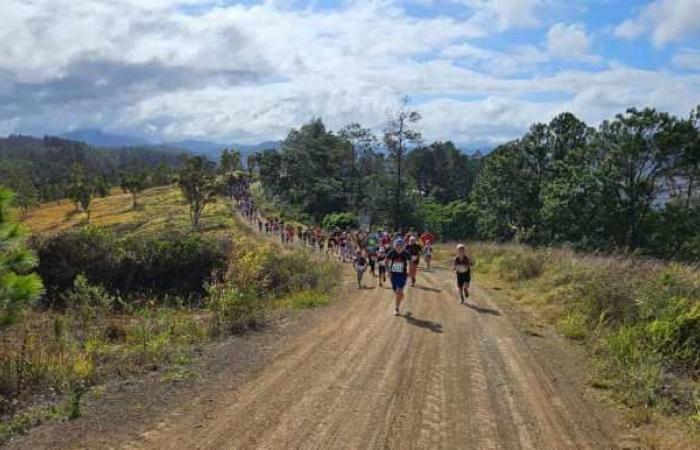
[639, 319]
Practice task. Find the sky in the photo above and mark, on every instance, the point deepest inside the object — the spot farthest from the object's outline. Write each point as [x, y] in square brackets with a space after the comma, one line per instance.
[479, 71]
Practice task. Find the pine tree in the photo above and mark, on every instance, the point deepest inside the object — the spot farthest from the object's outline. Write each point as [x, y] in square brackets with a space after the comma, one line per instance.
[18, 285]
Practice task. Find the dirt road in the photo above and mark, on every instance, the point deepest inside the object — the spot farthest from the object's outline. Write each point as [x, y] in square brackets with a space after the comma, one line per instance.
[441, 376]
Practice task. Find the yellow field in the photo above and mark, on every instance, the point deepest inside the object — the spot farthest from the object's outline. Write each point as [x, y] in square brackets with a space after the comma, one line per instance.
[160, 207]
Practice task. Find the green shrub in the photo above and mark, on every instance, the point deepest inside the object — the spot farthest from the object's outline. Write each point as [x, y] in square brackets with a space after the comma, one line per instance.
[157, 264]
[640, 318]
[340, 220]
[522, 265]
[632, 367]
[260, 272]
[304, 300]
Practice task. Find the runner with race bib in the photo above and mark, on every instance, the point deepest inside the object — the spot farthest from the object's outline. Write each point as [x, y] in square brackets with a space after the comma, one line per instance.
[397, 260]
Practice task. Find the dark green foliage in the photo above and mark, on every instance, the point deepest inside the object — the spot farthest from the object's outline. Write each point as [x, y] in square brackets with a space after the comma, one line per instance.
[18, 285]
[631, 185]
[442, 172]
[134, 183]
[451, 221]
[318, 173]
[159, 263]
[339, 220]
[198, 185]
[41, 167]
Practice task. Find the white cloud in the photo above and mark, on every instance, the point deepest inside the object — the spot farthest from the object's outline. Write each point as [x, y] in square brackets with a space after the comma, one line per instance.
[249, 73]
[506, 13]
[569, 41]
[666, 20]
[687, 58]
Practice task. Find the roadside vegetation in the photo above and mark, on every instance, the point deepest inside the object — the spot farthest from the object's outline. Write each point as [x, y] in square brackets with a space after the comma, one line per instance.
[638, 318]
[138, 292]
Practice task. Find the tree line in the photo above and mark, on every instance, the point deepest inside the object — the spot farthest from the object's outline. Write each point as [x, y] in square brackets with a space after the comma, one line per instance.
[630, 184]
[41, 170]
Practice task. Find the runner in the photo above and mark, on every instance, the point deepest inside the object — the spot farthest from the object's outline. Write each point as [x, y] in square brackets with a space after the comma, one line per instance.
[397, 259]
[360, 265]
[385, 241]
[426, 237]
[428, 252]
[415, 251]
[462, 266]
[372, 245]
[343, 243]
[381, 263]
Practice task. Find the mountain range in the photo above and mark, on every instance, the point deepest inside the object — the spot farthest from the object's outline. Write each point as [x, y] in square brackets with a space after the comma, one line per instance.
[101, 139]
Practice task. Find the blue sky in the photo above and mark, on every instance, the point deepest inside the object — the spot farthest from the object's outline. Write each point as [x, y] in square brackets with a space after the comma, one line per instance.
[480, 71]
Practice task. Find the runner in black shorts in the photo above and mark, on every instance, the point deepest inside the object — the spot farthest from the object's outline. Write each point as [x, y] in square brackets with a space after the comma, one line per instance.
[381, 263]
[462, 267]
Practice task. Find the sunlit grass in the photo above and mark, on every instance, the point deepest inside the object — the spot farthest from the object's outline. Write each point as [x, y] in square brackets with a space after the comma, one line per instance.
[158, 208]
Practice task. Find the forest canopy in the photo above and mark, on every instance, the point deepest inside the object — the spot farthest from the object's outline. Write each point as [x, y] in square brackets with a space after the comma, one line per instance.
[631, 184]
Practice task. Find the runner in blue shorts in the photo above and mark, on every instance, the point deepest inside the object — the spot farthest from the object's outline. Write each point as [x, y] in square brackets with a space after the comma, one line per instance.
[397, 260]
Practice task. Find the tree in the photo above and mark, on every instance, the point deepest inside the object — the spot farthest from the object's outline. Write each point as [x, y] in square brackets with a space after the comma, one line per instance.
[270, 168]
[230, 162]
[363, 144]
[637, 148]
[313, 171]
[397, 134]
[231, 168]
[80, 189]
[134, 183]
[18, 285]
[505, 195]
[441, 172]
[253, 163]
[161, 175]
[198, 185]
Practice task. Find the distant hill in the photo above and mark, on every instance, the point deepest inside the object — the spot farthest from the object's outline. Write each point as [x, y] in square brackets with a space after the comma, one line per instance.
[210, 149]
[46, 162]
[99, 138]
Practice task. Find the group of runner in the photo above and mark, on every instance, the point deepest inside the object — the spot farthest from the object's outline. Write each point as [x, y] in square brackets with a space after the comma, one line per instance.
[401, 262]
[386, 256]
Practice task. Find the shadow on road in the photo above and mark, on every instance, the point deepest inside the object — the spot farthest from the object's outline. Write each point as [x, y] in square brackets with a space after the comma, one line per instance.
[435, 327]
[483, 310]
[426, 288]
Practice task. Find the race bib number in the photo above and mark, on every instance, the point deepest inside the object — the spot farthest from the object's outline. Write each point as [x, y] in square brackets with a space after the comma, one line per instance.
[414, 258]
[397, 267]
[462, 268]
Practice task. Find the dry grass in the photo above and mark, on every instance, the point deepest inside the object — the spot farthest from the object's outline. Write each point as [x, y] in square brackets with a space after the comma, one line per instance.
[158, 208]
[640, 320]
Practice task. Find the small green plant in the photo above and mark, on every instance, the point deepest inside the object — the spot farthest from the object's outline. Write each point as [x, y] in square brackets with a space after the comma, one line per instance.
[305, 300]
[573, 325]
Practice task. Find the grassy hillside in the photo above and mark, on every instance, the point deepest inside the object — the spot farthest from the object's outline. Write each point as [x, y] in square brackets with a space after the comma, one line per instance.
[159, 208]
[137, 292]
[639, 319]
